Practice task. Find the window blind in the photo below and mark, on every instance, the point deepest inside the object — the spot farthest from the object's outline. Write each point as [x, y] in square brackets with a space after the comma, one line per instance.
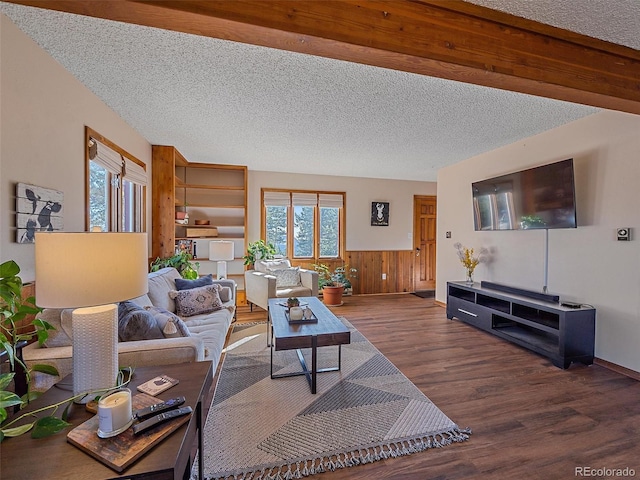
[135, 172]
[331, 200]
[107, 158]
[276, 199]
[305, 199]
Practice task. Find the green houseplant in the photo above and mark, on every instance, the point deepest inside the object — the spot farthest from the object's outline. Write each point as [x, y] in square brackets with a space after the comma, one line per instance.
[180, 261]
[339, 277]
[258, 250]
[14, 332]
[334, 282]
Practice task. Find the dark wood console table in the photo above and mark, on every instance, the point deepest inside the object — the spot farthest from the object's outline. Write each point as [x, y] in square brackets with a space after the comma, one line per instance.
[560, 333]
[53, 458]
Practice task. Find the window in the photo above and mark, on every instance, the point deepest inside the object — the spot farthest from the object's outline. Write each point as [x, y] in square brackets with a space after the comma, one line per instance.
[116, 187]
[305, 225]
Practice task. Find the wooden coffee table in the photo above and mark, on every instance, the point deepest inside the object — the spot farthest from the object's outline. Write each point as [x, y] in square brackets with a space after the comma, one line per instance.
[327, 331]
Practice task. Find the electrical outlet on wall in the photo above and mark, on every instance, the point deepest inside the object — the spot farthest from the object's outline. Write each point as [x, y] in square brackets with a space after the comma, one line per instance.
[384, 276]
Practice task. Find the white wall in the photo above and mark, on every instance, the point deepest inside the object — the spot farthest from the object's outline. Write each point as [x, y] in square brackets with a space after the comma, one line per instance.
[586, 264]
[44, 110]
[360, 192]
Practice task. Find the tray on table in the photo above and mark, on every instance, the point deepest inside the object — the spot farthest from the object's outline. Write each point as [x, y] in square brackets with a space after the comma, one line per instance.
[312, 319]
[121, 451]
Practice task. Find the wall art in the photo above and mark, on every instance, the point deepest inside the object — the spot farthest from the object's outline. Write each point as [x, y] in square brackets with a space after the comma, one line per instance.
[38, 209]
[380, 214]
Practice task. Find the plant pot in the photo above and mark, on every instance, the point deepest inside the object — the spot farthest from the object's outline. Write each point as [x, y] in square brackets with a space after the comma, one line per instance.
[332, 296]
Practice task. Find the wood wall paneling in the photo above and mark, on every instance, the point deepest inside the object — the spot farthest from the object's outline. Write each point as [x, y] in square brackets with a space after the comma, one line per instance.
[397, 264]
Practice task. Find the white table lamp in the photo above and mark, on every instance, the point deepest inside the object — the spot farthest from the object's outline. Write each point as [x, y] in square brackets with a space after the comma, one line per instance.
[90, 272]
[221, 251]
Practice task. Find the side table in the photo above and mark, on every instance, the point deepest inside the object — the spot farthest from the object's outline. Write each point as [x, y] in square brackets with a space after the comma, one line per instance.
[55, 459]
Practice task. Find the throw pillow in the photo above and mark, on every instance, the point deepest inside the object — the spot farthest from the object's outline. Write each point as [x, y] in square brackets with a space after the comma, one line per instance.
[277, 264]
[143, 300]
[171, 325]
[135, 323]
[160, 283]
[185, 284]
[197, 300]
[288, 277]
[225, 293]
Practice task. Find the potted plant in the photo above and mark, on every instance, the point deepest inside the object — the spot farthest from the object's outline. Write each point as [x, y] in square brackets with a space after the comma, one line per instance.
[180, 261]
[14, 333]
[258, 250]
[293, 302]
[333, 283]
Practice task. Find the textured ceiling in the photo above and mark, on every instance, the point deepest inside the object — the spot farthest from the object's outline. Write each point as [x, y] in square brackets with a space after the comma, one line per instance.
[224, 102]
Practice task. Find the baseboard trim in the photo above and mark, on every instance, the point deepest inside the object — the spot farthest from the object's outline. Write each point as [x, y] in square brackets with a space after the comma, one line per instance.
[627, 372]
[441, 304]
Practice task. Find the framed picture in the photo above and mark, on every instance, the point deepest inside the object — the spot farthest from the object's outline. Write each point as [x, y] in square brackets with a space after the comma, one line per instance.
[380, 214]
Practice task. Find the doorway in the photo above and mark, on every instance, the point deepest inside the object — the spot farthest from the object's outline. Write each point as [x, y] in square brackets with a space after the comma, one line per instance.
[424, 243]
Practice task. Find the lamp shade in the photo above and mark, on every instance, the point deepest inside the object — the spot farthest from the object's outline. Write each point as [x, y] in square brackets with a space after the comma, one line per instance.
[87, 269]
[220, 250]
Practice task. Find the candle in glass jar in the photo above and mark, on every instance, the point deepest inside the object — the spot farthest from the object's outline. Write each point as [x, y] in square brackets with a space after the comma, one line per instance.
[295, 313]
[114, 411]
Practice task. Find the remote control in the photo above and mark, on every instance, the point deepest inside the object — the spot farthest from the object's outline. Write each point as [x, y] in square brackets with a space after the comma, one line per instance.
[157, 408]
[158, 419]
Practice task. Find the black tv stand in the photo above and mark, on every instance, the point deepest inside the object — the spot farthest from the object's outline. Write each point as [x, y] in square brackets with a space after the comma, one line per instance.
[530, 319]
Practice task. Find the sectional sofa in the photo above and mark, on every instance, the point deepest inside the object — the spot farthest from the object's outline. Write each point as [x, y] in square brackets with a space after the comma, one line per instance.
[165, 326]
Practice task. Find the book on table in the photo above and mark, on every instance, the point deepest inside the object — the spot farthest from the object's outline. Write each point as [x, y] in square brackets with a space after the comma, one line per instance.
[157, 385]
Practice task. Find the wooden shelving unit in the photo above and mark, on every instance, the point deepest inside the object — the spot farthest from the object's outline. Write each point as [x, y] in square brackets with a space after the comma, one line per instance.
[212, 192]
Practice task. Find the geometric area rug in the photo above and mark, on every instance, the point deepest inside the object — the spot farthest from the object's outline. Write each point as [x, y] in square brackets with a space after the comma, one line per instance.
[259, 428]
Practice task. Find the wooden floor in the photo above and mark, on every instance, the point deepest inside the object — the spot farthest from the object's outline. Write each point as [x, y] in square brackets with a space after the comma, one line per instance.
[529, 419]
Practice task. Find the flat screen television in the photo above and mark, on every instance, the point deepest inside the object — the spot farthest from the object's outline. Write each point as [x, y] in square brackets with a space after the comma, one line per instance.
[536, 198]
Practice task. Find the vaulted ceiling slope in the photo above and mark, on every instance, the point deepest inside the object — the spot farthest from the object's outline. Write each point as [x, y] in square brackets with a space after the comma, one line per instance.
[221, 101]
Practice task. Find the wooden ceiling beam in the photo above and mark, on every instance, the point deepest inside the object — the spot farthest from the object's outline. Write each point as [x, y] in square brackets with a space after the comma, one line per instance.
[447, 39]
